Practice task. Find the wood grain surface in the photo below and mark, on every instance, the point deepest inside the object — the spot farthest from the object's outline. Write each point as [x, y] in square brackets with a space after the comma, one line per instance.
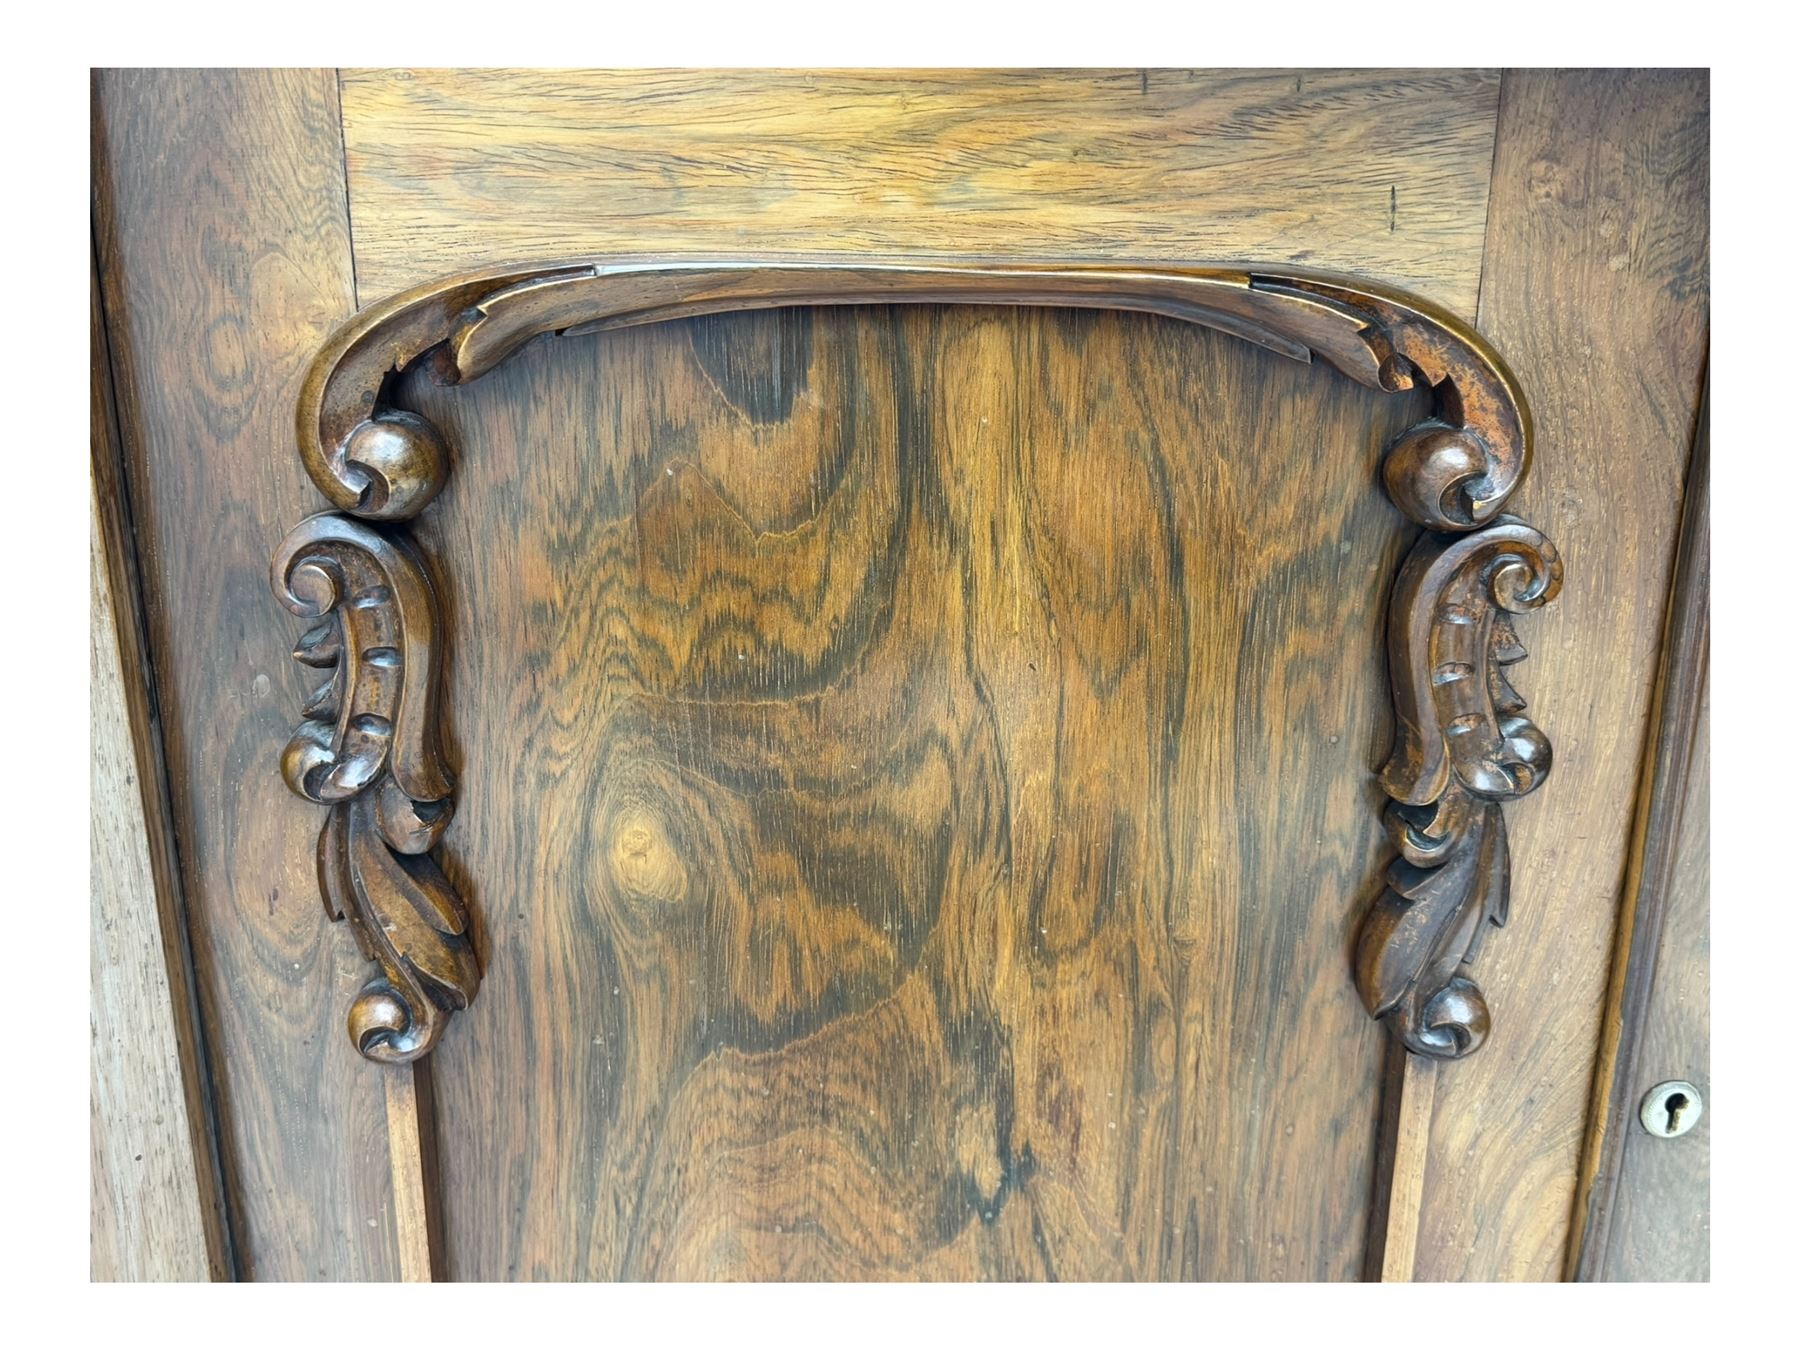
[225, 262]
[1595, 286]
[869, 721]
[1378, 172]
[155, 1205]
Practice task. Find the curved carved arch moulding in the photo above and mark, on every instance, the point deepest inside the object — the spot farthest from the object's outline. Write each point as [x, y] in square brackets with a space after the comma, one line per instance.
[367, 746]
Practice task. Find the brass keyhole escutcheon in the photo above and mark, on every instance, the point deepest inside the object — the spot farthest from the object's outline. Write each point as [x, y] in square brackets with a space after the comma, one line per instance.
[1671, 1109]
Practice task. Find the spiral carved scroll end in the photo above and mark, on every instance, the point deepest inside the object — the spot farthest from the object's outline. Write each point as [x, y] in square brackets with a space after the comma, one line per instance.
[389, 466]
[367, 749]
[1455, 470]
[1442, 476]
[1462, 748]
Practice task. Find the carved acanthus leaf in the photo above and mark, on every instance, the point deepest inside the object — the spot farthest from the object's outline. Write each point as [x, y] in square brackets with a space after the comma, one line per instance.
[1461, 748]
[368, 749]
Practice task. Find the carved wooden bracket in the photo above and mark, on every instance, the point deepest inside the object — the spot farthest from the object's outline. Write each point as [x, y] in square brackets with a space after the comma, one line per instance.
[367, 746]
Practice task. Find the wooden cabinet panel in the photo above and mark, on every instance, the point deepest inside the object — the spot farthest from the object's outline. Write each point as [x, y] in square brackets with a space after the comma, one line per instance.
[871, 718]
[1383, 173]
[917, 794]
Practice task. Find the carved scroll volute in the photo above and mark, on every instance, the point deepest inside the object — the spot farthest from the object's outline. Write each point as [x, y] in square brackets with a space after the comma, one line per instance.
[1454, 470]
[1461, 749]
[367, 748]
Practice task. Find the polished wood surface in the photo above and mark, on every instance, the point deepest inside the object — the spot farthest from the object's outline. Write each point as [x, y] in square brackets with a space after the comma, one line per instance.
[1595, 287]
[865, 719]
[211, 331]
[1378, 173]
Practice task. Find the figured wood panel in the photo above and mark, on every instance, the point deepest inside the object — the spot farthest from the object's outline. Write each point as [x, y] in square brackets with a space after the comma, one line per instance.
[225, 262]
[1595, 287]
[870, 722]
[1380, 172]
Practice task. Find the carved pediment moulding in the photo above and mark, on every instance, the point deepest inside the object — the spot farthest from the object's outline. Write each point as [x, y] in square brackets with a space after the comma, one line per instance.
[367, 747]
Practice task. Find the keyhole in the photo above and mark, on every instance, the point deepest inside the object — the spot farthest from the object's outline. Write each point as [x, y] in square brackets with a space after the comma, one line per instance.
[1675, 1105]
[1671, 1109]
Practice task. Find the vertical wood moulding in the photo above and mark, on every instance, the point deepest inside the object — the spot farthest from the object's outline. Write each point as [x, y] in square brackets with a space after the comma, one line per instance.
[156, 1162]
[412, 1160]
[1408, 1088]
[1645, 898]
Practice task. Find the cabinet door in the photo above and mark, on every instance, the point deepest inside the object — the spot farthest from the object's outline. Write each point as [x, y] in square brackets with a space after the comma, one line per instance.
[914, 764]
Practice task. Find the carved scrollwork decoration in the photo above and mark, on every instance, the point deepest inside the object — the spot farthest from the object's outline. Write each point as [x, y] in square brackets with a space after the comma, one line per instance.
[368, 457]
[367, 748]
[1461, 750]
